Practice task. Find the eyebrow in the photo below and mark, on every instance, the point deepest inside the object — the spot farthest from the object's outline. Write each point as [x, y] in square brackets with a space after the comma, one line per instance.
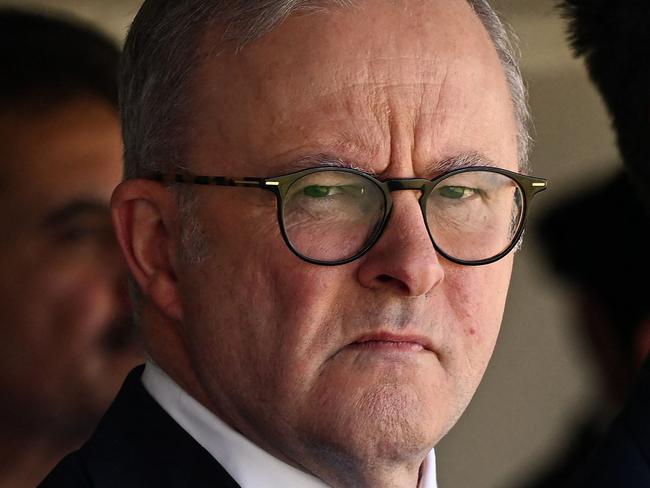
[73, 210]
[434, 168]
[324, 159]
[463, 160]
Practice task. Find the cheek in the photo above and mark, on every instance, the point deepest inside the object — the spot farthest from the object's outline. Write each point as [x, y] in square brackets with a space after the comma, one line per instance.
[59, 313]
[477, 298]
[263, 313]
[64, 302]
[255, 291]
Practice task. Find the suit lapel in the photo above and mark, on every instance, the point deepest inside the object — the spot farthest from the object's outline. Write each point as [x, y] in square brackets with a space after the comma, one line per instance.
[138, 444]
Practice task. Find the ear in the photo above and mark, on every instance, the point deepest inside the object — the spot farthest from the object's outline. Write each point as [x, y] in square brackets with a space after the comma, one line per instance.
[145, 221]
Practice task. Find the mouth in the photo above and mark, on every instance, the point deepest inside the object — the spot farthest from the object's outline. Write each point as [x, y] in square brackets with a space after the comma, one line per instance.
[390, 342]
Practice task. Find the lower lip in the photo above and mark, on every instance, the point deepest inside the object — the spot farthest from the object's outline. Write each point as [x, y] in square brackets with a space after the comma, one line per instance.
[388, 346]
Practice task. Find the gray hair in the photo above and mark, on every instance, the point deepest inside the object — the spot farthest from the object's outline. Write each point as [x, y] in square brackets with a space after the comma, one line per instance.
[161, 53]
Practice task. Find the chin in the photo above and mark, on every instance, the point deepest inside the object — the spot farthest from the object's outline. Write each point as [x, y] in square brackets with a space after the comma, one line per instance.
[393, 422]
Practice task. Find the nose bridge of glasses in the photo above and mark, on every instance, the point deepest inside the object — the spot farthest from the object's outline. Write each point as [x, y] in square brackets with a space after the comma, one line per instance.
[418, 184]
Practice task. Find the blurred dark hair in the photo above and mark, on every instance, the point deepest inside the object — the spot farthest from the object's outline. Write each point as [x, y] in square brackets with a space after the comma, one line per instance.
[46, 61]
[599, 240]
[613, 36]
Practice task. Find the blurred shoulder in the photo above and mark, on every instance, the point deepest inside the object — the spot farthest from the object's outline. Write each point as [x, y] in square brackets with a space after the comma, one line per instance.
[70, 472]
[624, 457]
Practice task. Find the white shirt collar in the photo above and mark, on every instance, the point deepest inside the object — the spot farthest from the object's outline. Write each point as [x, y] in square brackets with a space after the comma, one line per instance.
[249, 465]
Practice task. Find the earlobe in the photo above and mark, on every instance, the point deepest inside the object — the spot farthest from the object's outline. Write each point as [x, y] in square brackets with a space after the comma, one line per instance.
[144, 217]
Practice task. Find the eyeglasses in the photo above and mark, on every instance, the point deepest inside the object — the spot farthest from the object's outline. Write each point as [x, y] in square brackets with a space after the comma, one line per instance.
[331, 216]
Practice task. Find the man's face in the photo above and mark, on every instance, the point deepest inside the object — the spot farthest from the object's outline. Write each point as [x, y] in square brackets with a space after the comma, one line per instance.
[315, 362]
[65, 319]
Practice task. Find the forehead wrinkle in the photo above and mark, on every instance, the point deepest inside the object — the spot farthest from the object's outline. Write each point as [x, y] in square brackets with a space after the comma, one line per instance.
[349, 94]
[379, 74]
[350, 121]
[342, 73]
[411, 136]
[369, 120]
[429, 124]
[394, 109]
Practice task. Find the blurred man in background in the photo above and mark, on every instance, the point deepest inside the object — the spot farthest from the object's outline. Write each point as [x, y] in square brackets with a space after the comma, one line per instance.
[66, 336]
[614, 38]
[612, 312]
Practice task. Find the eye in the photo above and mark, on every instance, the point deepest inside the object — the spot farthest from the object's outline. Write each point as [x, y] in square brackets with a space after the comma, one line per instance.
[317, 191]
[456, 192]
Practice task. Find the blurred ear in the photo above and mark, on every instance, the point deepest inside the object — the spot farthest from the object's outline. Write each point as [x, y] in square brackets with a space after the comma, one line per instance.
[145, 220]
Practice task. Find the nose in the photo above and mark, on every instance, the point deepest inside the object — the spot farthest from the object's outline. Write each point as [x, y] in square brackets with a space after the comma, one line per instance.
[404, 260]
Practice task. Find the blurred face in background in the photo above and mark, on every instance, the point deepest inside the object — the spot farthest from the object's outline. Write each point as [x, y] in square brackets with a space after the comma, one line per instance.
[66, 336]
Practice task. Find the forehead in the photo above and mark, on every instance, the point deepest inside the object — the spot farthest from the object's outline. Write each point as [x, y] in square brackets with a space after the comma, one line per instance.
[377, 82]
[69, 151]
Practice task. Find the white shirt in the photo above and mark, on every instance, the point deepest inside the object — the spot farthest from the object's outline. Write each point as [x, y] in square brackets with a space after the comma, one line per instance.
[249, 465]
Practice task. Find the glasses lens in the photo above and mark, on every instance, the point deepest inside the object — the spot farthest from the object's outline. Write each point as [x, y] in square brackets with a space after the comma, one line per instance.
[475, 215]
[332, 215]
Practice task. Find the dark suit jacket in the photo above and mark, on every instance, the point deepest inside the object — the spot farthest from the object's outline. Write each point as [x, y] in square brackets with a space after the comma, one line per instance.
[137, 444]
[623, 460]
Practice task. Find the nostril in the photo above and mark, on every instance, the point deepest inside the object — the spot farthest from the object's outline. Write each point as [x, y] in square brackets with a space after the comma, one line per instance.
[397, 284]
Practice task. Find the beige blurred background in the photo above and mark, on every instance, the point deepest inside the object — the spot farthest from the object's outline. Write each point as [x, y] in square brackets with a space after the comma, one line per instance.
[539, 381]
